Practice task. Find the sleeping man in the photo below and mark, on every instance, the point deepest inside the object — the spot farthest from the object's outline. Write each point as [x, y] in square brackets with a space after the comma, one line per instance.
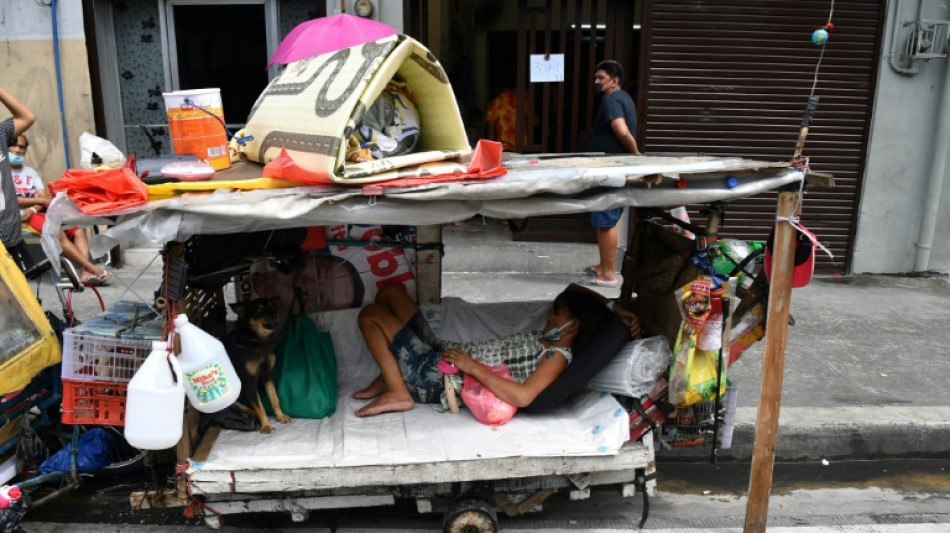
[408, 353]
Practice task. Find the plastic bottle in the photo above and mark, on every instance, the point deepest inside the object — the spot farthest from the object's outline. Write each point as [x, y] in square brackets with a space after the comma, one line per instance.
[211, 383]
[154, 407]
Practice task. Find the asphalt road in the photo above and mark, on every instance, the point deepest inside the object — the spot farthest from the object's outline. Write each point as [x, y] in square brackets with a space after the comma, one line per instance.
[861, 496]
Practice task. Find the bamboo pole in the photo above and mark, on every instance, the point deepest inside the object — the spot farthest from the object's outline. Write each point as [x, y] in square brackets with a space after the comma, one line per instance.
[773, 366]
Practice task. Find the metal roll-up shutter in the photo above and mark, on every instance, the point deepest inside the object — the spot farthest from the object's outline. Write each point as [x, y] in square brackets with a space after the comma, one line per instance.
[732, 77]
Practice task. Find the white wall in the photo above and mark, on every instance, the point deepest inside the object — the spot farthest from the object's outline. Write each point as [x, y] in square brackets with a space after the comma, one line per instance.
[900, 154]
[20, 21]
[29, 73]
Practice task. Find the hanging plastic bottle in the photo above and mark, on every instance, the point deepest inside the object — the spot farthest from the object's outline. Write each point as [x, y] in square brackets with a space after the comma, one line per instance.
[155, 403]
[211, 383]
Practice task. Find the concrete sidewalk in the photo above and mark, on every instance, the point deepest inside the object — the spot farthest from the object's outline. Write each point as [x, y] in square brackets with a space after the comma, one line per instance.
[866, 368]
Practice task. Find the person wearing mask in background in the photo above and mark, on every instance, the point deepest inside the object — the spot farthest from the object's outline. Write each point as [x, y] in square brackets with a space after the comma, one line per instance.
[10, 129]
[614, 124]
[33, 199]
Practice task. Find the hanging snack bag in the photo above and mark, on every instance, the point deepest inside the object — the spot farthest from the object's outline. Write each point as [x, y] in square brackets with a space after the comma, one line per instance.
[693, 373]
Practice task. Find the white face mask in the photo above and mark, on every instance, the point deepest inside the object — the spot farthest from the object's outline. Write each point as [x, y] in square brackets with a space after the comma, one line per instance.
[554, 334]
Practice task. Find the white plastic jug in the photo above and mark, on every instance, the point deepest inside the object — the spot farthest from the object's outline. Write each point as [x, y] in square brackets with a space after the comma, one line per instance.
[211, 383]
[155, 403]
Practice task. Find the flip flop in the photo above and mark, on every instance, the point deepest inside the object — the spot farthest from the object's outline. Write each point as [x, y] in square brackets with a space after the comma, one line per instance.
[592, 281]
[589, 270]
[97, 281]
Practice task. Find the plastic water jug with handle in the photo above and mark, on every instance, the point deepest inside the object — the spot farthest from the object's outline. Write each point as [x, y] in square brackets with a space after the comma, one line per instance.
[211, 383]
[155, 402]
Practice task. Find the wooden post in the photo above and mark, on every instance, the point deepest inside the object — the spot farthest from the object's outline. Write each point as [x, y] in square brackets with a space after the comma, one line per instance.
[773, 366]
[428, 264]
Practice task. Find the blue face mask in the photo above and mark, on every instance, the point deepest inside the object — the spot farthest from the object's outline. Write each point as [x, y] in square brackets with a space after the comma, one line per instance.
[554, 334]
[16, 160]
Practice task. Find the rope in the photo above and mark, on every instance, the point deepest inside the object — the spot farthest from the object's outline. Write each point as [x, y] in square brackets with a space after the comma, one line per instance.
[128, 286]
[793, 221]
[821, 56]
[195, 505]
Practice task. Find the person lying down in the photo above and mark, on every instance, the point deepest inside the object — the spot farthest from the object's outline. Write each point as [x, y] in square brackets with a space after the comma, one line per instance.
[408, 353]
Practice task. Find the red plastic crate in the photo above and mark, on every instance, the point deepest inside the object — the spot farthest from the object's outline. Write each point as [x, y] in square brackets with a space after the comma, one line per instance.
[94, 402]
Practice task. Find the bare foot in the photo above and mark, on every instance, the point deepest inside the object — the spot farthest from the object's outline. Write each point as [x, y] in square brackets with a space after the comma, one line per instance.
[387, 403]
[374, 389]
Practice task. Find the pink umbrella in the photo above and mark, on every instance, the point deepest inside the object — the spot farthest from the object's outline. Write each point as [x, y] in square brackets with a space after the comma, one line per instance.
[328, 34]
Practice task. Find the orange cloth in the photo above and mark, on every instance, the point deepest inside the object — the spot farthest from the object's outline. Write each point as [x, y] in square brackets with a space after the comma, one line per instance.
[485, 163]
[100, 191]
[502, 111]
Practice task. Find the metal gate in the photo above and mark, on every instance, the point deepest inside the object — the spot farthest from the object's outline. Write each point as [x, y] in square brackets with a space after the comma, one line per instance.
[732, 77]
[585, 32]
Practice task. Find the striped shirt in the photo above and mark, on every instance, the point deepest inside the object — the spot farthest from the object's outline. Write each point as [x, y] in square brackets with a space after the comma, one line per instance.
[521, 352]
[10, 215]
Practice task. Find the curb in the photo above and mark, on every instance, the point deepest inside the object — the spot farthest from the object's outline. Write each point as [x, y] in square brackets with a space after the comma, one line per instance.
[853, 432]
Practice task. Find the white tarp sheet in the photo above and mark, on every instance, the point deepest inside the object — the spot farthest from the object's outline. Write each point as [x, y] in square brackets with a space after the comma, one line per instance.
[592, 425]
[532, 187]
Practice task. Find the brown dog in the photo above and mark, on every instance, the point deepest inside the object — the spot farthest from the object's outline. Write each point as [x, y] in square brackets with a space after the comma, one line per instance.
[251, 349]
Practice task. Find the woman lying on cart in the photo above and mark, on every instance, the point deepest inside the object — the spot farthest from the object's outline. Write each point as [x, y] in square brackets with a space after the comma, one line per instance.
[408, 353]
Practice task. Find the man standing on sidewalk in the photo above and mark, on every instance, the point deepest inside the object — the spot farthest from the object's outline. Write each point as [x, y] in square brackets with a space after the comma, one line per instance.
[10, 129]
[614, 124]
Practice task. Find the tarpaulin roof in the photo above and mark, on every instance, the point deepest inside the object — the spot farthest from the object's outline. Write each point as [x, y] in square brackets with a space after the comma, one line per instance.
[533, 186]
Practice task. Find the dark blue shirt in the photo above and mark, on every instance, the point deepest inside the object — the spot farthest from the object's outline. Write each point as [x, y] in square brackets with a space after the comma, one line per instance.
[614, 105]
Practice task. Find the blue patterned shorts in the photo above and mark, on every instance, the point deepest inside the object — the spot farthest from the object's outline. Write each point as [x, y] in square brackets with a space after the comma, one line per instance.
[605, 219]
[418, 352]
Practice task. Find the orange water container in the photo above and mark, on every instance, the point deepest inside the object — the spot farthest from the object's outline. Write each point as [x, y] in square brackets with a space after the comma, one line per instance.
[196, 125]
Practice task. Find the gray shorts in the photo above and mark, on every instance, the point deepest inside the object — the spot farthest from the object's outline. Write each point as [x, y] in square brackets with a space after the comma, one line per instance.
[418, 352]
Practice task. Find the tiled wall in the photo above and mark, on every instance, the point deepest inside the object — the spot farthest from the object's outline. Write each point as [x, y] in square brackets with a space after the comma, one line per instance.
[141, 74]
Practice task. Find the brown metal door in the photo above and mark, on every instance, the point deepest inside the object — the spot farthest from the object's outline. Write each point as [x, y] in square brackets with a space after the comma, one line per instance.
[585, 32]
[732, 77]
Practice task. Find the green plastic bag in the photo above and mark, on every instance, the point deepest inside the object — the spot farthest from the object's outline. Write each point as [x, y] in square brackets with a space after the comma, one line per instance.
[306, 371]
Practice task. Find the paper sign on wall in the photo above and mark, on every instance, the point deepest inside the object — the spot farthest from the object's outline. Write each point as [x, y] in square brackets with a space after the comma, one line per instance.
[547, 67]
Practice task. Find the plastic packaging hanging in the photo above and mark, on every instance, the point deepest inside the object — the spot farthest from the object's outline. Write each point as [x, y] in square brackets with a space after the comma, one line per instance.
[154, 408]
[30, 451]
[211, 383]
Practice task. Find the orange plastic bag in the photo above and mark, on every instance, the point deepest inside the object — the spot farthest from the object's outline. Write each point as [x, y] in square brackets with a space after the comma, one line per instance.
[487, 408]
[97, 192]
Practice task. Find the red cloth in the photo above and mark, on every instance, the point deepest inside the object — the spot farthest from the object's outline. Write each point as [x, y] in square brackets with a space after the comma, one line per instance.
[485, 163]
[284, 167]
[96, 192]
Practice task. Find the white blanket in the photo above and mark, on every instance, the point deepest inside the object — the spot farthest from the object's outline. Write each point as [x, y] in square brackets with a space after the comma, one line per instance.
[592, 424]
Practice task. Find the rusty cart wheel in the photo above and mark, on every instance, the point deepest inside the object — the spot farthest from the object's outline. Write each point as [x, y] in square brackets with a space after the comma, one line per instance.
[470, 516]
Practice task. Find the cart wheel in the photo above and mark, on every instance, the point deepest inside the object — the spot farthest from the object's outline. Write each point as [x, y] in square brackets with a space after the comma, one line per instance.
[470, 516]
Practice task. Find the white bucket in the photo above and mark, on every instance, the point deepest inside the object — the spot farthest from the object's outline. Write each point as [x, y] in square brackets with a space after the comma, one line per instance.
[196, 125]
[155, 402]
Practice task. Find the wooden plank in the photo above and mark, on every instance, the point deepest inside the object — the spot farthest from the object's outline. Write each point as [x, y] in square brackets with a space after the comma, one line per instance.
[630, 457]
[773, 366]
[295, 505]
[154, 500]
[429, 264]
